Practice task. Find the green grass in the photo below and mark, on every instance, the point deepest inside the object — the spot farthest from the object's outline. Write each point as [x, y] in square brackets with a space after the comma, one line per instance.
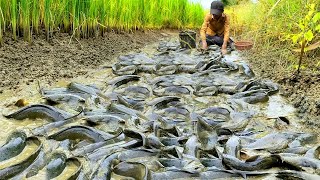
[267, 24]
[266, 21]
[13, 17]
[25, 19]
[87, 18]
[1, 25]
[35, 16]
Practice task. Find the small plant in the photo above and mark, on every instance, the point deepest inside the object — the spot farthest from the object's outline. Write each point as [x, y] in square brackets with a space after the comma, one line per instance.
[308, 29]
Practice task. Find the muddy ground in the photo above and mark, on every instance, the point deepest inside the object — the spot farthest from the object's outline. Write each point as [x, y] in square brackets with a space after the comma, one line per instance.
[62, 57]
[303, 90]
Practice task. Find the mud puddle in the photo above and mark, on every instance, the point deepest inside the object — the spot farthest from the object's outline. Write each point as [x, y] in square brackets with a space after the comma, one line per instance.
[177, 113]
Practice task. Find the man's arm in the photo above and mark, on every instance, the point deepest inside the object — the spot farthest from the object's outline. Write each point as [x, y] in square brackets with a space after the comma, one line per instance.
[203, 30]
[226, 32]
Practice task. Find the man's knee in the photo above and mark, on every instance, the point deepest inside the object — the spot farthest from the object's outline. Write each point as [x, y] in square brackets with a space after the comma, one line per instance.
[218, 40]
[212, 40]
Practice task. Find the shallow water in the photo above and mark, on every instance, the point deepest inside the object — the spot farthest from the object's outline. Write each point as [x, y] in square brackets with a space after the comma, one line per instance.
[70, 169]
[264, 118]
[30, 148]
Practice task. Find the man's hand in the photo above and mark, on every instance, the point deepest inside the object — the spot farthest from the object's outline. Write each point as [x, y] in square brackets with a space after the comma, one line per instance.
[204, 44]
[224, 49]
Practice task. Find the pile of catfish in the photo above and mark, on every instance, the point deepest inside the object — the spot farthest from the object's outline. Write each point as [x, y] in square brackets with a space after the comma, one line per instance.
[174, 114]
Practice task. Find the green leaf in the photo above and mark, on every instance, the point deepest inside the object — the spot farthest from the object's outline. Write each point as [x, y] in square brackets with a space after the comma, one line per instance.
[295, 39]
[301, 25]
[295, 66]
[288, 36]
[318, 28]
[308, 36]
[312, 6]
[316, 17]
[310, 13]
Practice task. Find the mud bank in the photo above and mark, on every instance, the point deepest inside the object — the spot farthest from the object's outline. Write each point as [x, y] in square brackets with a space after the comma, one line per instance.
[302, 91]
[62, 57]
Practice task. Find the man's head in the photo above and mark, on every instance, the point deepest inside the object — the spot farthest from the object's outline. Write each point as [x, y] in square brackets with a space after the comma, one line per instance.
[217, 8]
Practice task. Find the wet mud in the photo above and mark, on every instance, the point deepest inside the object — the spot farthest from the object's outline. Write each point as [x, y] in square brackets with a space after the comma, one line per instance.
[303, 90]
[159, 113]
[62, 57]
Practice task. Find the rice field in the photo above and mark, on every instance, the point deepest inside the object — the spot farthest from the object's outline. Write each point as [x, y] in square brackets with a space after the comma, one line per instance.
[87, 18]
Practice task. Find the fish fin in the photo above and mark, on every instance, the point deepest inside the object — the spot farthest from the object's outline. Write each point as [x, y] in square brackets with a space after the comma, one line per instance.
[252, 158]
[284, 119]
[138, 105]
[220, 154]
[122, 101]
[81, 111]
[244, 175]
[7, 115]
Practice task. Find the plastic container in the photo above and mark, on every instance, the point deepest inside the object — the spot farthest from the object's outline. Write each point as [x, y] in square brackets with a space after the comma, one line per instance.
[187, 39]
[243, 45]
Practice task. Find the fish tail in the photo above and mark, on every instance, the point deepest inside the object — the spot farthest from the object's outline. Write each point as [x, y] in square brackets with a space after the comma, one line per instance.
[76, 114]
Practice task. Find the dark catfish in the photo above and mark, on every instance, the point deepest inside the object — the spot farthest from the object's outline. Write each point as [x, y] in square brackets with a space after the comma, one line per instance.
[206, 133]
[132, 169]
[40, 111]
[271, 142]
[289, 174]
[233, 147]
[313, 152]
[259, 163]
[66, 97]
[175, 173]
[78, 132]
[13, 146]
[104, 170]
[14, 170]
[162, 102]
[56, 165]
[299, 161]
[124, 80]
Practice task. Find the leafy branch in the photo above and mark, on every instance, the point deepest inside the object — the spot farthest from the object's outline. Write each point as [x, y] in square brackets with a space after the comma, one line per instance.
[309, 27]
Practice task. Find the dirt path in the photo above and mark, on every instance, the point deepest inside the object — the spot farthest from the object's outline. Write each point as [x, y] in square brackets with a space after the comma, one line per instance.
[23, 63]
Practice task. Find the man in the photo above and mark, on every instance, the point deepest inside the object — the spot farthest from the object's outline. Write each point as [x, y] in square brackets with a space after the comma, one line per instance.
[215, 28]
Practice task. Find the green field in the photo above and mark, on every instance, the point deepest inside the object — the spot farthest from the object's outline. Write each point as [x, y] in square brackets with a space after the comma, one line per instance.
[86, 18]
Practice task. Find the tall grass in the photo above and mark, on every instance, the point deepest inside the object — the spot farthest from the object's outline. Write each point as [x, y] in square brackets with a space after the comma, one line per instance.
[192, 17]
[47, 16]
[25, 19]
[1, 24]
[87, 18]
[267, 23]
[35, 16]
[267, 20]
[13, 16]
